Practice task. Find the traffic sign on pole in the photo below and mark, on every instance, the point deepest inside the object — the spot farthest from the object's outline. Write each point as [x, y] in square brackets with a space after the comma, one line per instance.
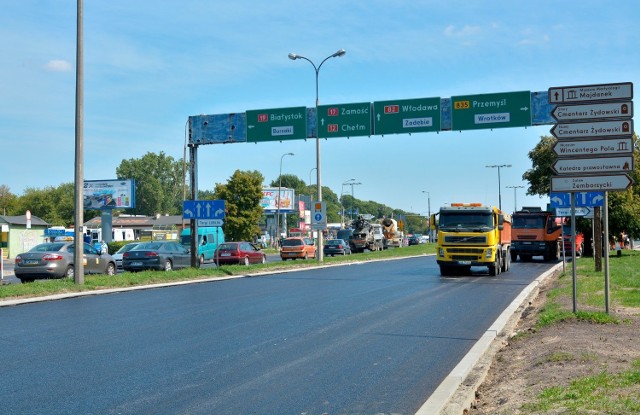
[406, 116]
[605, 129]
[344, 120]
[602, 147]
[593, 165]
[318, 215]
[607, 110]
[591, 93]
[203, 209]
[277, 124]
[579, 211]
[501, 110]
[582, 199]
[588, 183]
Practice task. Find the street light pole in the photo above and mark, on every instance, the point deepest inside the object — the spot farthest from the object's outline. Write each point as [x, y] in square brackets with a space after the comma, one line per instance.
[341, 201]
[294, 56]
[278, 198]
[353, 199]
[428, 211]
[498, 166]
[515, 199]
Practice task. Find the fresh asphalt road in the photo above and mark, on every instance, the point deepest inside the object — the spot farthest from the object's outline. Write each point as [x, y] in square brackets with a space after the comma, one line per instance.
[376, 337]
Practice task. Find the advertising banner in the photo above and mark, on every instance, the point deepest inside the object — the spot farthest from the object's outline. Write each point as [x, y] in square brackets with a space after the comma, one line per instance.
[270, 199]
[100, 194]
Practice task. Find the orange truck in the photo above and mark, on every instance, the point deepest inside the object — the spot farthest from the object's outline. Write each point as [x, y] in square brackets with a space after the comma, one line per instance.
[471, 234]
[535, 232]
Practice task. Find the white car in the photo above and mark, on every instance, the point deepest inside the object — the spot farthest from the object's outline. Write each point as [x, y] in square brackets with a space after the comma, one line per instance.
[118, 255]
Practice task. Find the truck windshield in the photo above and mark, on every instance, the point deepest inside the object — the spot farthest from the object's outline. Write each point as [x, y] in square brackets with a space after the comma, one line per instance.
[462, 221]
[528, 222]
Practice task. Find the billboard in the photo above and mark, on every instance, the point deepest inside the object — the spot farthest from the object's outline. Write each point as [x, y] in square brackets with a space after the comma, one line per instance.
[100, 194]
[270, 198]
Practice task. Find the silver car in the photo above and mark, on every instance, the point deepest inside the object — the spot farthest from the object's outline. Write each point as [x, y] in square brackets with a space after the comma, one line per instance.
[118, 255]
[55, 260]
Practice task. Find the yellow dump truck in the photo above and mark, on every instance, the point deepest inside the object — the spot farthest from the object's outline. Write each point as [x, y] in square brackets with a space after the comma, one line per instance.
[471, 234]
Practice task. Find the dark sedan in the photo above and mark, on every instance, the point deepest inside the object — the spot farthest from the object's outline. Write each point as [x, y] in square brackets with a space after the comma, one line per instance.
[55, 260]
[336, 247]
[243, 253]
[413, 240]
[158, 255]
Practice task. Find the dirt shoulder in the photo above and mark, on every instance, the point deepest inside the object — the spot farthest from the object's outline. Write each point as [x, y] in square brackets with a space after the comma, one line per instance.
[534, 360]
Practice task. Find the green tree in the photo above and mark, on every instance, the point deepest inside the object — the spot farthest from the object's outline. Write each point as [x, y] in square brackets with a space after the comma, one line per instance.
[7, 200]
[54, 205]
[242, 195]
[159, 183]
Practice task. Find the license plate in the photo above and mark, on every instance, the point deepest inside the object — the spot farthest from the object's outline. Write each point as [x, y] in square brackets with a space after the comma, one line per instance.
[464, 262]
[136, 264]
[30, 261]
[225, 254]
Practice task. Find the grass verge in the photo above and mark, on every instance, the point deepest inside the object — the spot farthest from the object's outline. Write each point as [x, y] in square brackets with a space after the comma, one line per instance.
[130, 279]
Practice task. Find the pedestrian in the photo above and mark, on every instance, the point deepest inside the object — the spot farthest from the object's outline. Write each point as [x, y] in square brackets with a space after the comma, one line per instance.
[104, 248]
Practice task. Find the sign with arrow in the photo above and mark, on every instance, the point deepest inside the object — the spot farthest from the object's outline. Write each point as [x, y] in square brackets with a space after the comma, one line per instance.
[595, 129]
[589, 183]
[582, 199]
[597, 147]
[203, 209]
[579, 211]
[501, 110]
[591, 93]
[344, 120]
[607, 110]
[593, 165]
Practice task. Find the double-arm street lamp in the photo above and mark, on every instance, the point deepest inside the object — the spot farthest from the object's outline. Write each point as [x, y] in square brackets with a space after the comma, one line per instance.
[278, 201]
[341, 201]
[515, 197]
[499, 166]
[294, 56]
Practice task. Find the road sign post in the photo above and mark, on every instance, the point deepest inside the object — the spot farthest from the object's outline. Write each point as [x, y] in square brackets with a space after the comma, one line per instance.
[277, 124]
[406, 116]
[501, 110]
[590, 183]
[344, 120]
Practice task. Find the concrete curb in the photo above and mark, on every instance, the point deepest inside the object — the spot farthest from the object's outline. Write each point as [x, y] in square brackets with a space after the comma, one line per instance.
[457, 391]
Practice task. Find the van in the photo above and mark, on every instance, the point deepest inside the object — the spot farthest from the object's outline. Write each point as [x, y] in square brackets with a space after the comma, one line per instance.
[208, 239]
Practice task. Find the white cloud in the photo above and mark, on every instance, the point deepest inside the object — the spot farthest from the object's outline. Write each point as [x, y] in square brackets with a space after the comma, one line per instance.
[464, 32]
[58, 65]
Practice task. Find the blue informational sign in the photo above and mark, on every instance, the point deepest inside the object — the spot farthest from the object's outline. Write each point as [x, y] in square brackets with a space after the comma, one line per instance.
[203, 209]
[583, 199]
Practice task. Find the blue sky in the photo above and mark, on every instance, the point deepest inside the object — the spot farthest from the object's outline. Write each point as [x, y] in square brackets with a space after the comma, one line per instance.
[149, 66]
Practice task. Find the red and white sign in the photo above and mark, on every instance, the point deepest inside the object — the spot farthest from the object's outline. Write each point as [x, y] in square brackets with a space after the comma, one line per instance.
[391, 109]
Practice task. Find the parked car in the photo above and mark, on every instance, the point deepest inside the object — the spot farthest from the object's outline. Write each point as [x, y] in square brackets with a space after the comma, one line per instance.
[158, 255]
[243, 253]
[296, 247]
[55, 260]
[118, 255]
[413, 240]
[336, 247]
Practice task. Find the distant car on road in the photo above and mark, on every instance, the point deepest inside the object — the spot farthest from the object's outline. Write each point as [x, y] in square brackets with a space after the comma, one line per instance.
[118, 255]
[243, 253]
[296, 247]
[336, 247]
[413, 240]
[158, 255]
[55, 260]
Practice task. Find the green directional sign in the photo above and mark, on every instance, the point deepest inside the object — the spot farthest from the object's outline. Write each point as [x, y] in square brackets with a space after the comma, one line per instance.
[403, 116]
[501, 110]
[344, 120]
[277, 124]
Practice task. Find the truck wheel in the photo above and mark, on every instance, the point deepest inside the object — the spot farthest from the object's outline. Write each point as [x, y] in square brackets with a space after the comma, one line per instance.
[514, 256]
[445, 270]
[494, 269]
[506, 263]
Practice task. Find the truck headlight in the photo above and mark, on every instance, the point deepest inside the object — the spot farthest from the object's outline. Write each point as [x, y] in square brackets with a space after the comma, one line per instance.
[441, 252]
[489, 252]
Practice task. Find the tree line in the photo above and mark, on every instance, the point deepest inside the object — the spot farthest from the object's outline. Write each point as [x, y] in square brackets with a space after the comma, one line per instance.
[161, 187]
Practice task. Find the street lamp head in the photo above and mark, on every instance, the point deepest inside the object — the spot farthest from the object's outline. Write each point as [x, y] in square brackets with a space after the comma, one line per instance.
[339, 53]
[293, 56]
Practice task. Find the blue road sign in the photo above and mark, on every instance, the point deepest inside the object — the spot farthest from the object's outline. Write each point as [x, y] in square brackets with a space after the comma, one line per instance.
[583, 199]
[203, 209]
